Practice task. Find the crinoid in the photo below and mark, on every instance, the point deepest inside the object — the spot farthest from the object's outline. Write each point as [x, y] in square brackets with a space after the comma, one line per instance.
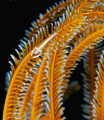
[70, 31]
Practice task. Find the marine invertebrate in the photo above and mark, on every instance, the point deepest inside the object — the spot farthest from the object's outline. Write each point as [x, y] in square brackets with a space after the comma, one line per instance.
[90, 61]
[39, 78]
[98, 107]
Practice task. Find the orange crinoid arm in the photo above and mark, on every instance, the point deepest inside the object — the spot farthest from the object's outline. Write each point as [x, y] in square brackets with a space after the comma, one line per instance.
[91, 60]
[38, 79]
[98, 101]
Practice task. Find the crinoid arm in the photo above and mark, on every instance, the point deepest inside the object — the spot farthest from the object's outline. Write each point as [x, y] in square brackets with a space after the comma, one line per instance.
[40, 76]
